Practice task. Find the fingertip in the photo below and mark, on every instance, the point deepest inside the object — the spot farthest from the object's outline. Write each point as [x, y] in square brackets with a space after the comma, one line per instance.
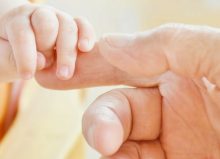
[86, 44]
[26, 73]
[66, 65]
[87, 35]
[41, 61]
[64, 72]
[106, 136]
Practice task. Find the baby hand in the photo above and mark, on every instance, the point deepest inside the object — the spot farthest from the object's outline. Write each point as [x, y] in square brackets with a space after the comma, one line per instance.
[42, 35]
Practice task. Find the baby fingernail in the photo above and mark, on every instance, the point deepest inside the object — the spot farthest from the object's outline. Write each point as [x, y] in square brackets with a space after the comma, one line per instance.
[84, 44]
[64, 72]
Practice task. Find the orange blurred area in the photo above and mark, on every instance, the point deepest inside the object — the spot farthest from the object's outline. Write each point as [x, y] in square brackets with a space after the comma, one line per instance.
[4, 91]
[4, 99]
[47, 123]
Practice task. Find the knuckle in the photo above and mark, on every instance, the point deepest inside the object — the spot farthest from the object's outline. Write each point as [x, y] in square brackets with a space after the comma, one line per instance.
[164, 33]
[24, 9]
[44, 20]
[71, 28]
[67, 23]
[170, 26]
[171, 32]
[18, 23]
[14, 23]
[17, 27]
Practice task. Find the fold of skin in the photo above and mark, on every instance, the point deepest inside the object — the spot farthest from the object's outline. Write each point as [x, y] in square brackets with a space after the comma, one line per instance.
[190, 119]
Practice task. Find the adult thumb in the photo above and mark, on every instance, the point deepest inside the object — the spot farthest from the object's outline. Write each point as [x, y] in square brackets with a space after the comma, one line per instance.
[191, 51]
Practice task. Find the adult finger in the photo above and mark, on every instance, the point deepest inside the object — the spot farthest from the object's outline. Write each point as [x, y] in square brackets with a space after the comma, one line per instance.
[187, 50]
[122, 114]
[41, 61]
[86, 35]
[91, 70]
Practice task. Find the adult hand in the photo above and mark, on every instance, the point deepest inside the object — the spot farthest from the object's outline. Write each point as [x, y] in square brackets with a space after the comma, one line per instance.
[174, 110]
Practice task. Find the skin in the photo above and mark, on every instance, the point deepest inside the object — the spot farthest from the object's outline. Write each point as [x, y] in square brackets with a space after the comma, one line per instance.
[39, 36]
[172, 110]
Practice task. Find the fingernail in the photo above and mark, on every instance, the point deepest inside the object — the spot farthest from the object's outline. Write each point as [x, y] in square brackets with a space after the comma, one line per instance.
[119, 40]
[41, 61]
[84, 44]
[91, 136]
[27, 76]
[63, 72]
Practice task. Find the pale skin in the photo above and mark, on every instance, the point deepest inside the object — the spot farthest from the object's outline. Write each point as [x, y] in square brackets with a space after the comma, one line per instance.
[38, 37]
[172, 112]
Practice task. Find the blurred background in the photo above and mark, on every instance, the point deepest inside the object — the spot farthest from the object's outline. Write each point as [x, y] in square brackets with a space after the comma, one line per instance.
[48, 122]
[132, 15]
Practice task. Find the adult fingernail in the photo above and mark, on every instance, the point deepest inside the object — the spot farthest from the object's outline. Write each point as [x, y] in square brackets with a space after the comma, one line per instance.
[41, 61]
[63, 72]
[119, 40]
